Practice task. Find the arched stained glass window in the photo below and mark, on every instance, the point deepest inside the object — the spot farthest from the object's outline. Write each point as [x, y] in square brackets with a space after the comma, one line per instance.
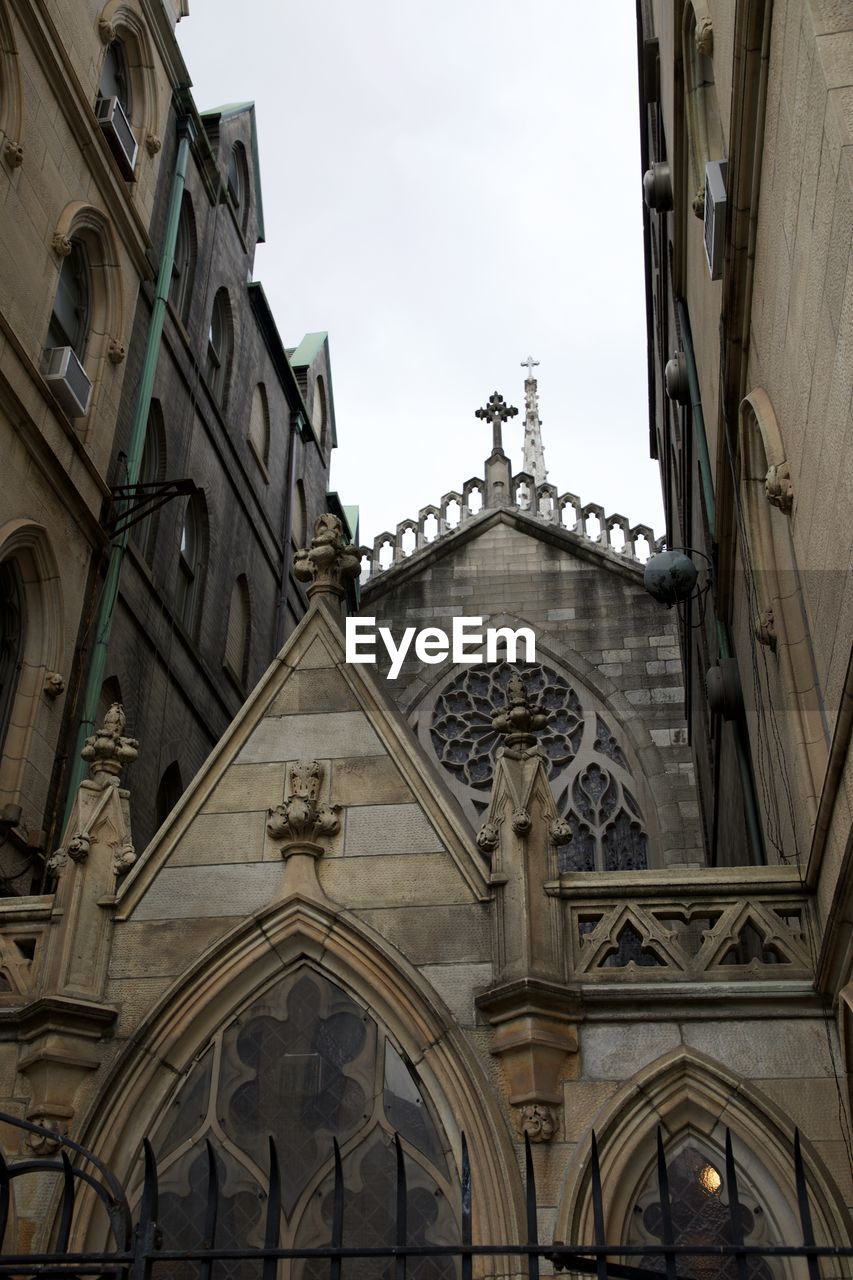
[305, 1063]
[700, 1214]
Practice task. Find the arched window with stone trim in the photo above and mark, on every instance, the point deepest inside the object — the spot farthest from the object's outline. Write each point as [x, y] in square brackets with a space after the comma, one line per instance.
[304, 1061]
[72, 302]
[596, 782]
[703, 127]
[127, 71]
[170, 788]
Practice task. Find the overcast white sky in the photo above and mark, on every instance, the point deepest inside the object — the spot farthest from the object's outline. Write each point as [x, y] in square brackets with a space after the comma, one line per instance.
[449, 186]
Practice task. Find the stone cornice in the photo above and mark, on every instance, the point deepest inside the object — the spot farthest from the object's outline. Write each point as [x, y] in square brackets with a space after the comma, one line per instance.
[63, 1014]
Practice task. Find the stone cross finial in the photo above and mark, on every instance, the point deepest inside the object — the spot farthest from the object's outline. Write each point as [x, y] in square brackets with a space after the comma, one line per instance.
[329, 562]
[107, 751]
[496, 411]
[300, 821]
[529, 364]
[521, 719]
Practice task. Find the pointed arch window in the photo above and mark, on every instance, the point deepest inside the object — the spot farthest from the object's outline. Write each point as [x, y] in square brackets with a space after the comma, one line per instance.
[305, 1063]
[152, 470]
[115, 76]
[169, 791]
[69, 320]
[183, 266]
[237, 183]
[220, 344]
[238, 636]
[319, 413]
[191, 561]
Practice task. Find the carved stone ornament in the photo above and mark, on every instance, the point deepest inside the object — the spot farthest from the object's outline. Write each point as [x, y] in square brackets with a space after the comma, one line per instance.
[54, 685]
[699, 203]
[14, 153]
[43, 1144]
[328, 563]
[765, 628]
[124, 859]
[705, 37]
[116, 351]
[78, 848]
[560, 831]
[57, 862]
[106, 30]
[153, 144]
[107, 751]
[61, 244]
[299, 820]
[537, 1121]
[521, 719]
[778, 487]
[487, 837]
[521, 822]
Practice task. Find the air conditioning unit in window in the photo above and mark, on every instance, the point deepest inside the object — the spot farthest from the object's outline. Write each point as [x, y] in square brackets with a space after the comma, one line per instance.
[715, 215]
[68, 381]
[118, 133]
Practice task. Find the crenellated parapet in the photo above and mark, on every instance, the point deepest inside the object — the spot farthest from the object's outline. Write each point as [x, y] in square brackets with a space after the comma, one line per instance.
[587, 521]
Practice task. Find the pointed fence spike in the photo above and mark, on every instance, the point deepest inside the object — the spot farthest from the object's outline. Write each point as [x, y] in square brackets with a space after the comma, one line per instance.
[465, 1211]
[211, 1210]
[532, 1220]
[145, 1241]
[337, 1213]
[803, 1203]
[400, 1237]
[63, 1235]
[5, 1197]
[665, 1209]
[598, 1210]
[735, 1219]
[273, 1223]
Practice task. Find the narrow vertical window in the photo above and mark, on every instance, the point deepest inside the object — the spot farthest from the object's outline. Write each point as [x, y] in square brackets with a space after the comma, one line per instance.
[237, 636]
[69, 320]
[190, 562]
[259, 424]
[12, 631]
[219, 346]
[183, 266]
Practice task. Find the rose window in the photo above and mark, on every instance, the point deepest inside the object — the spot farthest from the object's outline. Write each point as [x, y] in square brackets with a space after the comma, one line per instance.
[590, 774]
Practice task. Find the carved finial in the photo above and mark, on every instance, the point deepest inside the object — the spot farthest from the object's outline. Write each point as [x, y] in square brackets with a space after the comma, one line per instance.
[299, 820]
[778, 487]
[108, 750]
[521, 719]
[60, 244]
[496, 411]
[329, 562]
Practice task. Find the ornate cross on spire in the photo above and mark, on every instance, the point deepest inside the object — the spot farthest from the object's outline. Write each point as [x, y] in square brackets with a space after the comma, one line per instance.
[529, 365]
[496, 411]
[534, 455]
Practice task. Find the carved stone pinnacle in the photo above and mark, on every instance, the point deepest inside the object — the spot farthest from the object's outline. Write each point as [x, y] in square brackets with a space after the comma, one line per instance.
[107, 751]
[299, 820]
[329, 562]
[521, 719]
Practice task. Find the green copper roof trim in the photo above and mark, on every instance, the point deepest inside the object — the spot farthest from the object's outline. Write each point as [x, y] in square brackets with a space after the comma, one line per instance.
[227, 112]
[304, 356]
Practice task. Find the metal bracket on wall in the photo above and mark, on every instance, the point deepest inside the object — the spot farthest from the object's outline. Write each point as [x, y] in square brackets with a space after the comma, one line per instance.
[131, 503]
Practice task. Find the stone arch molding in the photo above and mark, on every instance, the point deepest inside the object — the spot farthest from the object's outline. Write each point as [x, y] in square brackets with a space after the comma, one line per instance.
[272, 945]
[85, 222]
[119, 20]
[29, 545]
[11, 94]
[687, 1093]
[601, 699]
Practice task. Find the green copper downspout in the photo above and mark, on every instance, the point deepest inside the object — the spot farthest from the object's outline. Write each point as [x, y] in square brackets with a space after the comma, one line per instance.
[109, 595]
[723, 639]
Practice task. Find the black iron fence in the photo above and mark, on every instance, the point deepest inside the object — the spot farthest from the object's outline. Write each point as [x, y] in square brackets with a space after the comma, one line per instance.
[137, 1246]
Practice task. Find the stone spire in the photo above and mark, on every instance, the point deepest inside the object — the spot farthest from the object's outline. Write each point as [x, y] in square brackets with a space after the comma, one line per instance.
[534, 454]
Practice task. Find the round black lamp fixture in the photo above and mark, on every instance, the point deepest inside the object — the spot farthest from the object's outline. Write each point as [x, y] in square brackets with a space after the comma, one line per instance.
[670, 577]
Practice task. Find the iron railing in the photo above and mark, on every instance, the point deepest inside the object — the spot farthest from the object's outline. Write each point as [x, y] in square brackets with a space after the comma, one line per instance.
[138, 1246]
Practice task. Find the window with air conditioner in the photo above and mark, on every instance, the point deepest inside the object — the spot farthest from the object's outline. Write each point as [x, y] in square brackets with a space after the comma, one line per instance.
[67, 333]
[113, 108]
